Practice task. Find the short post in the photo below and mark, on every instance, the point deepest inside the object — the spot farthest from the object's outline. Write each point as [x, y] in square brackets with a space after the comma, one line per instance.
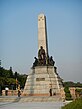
[19, 90]
[6, 91]
[12, 88]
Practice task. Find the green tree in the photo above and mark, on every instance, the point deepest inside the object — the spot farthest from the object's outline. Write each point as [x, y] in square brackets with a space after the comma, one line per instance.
[8, 78]
[67, 94]
[15, 75]
[11, 72]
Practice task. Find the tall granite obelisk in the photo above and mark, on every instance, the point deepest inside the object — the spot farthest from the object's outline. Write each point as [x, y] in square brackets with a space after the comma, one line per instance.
[42, 33]
[43, 80]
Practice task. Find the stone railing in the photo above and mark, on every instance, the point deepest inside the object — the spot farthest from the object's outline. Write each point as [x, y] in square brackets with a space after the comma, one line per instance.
[11, 92]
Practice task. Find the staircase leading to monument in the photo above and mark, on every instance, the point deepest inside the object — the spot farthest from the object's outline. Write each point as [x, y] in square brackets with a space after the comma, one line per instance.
[9, 99]
[30, 99]
[40, 99]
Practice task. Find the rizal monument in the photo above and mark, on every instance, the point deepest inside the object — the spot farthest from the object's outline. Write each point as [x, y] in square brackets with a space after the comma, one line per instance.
[43, 80]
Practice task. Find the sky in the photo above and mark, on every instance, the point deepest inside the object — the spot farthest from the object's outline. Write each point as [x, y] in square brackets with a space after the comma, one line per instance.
[19, 35]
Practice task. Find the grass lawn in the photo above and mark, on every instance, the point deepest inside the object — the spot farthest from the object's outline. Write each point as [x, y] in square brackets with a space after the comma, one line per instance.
[77, 104]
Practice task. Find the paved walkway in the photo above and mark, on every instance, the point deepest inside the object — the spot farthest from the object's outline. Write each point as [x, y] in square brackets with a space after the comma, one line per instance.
[31, 105]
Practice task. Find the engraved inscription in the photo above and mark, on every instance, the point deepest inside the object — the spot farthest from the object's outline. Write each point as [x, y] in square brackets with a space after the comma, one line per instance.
[40, 79]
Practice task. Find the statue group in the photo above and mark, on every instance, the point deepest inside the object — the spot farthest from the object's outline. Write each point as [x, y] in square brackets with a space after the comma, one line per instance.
[42, 59]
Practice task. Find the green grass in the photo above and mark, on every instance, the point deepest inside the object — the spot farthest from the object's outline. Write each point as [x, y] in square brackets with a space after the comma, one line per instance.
[77, 104]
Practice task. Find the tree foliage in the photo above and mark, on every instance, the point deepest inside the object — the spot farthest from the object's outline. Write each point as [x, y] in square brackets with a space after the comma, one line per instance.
[77, 104]
[8, 78]
[72, 84]
[67, 94]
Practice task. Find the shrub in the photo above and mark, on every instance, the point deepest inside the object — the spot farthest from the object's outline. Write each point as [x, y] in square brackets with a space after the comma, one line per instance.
[77, 104]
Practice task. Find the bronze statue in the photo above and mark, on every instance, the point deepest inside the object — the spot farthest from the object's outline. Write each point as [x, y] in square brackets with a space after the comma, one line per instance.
[41, 56]
[42, 59]
[35, 62]
[51, 61]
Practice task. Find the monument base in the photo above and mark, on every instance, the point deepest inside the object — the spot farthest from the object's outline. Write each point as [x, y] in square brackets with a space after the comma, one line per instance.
[43, 81]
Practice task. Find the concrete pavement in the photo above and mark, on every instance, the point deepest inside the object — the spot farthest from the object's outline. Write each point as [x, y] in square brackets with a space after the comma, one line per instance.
[30, 102]
[31, 105]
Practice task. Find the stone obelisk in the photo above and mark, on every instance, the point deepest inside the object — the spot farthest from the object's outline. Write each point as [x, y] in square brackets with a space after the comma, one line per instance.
[42, 33]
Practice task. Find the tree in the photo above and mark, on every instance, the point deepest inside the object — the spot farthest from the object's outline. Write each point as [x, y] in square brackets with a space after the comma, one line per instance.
[72, 84]
[67, 94]
[15, 75]
[8, 78]
[11, 72]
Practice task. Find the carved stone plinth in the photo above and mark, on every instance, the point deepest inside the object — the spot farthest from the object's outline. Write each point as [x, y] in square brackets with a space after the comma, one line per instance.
[41, 80]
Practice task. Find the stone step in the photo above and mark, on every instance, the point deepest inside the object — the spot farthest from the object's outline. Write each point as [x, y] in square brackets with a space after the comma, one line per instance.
[9, 99]
[40, 99]
[30, 99]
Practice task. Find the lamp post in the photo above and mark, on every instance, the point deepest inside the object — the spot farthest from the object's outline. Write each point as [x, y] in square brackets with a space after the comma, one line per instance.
[16, 83]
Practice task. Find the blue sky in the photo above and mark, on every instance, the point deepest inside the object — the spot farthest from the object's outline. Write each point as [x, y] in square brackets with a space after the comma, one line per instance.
[19, 35]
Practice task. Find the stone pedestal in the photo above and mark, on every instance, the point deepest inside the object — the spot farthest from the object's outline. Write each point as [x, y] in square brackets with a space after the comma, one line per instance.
[41, 80]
